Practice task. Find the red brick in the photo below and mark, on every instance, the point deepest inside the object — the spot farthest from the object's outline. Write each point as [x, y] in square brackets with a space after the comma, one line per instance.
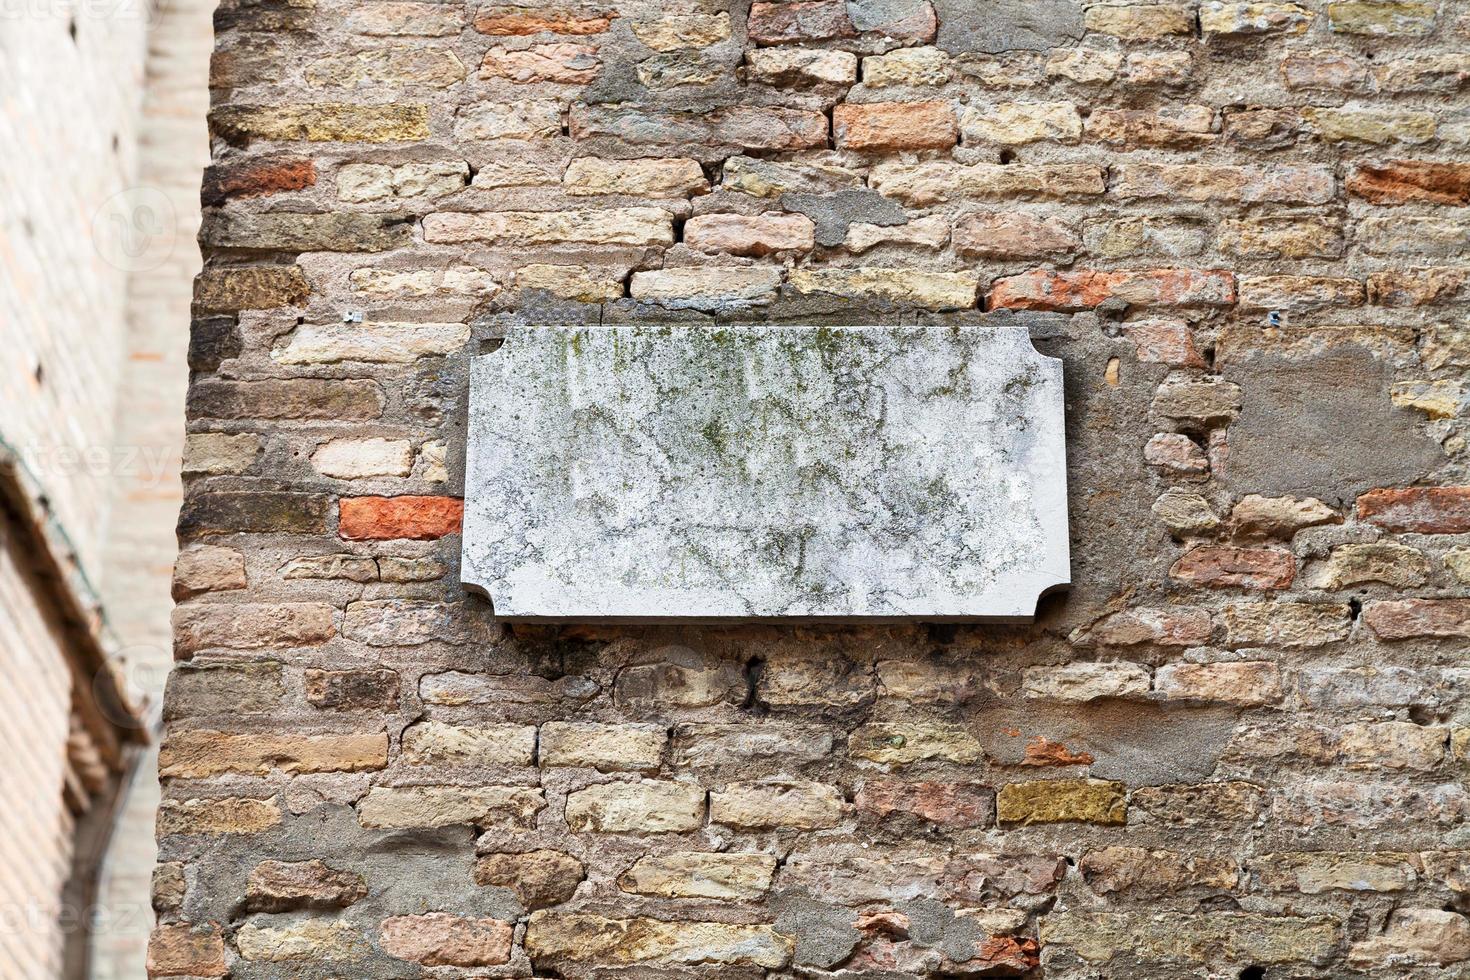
[1171, 626]
[1405, 181]
[1175, 451]
[1083, 289]
[382, 518]
[895, 126]
[1408, 619]
[802, 20]
[1164, 342]
[1419, 510]
[1041, 751]
[1004, 956]
[183, 951]
[1042, 290]
[256, 178]
[944, 804]
[1249, 568]
[755, 234]
[441, 939]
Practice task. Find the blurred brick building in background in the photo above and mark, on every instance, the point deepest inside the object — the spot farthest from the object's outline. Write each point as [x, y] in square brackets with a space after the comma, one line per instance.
[102, 130]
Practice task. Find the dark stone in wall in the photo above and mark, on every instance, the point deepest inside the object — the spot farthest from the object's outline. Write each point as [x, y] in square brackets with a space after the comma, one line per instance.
[253, 513]
[873, 15]
[1006, 25]
[213, 339]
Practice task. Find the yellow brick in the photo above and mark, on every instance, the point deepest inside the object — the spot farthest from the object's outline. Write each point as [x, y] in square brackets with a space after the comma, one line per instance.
[324, 122]
[1062, 801]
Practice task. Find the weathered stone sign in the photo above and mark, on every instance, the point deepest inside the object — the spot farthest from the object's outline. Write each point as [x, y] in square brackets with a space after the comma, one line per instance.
[654, 473]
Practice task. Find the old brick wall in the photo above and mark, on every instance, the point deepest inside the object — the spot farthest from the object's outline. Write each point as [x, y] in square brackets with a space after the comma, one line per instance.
[1236, 748]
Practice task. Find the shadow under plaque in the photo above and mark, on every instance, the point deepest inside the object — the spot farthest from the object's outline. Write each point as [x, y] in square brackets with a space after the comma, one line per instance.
[698, 474]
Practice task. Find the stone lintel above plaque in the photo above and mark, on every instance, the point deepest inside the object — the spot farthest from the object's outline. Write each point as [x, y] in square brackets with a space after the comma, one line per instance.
[725, 474]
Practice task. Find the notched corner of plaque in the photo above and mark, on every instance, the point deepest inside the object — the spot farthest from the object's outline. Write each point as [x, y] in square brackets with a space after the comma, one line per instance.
[1042, 585]
[471, 582]
[1057, 588]
[489, 590]
[1029, 349]
[487, 347]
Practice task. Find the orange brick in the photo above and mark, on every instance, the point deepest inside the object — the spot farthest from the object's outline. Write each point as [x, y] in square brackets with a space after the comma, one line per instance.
[1418, 510]
[383, 518]
[182, 951]
[1250, 568]
[895, 126]
[1083, 289]
[1403, 181]
[524, 21]
[1410, 618]
[256, 178]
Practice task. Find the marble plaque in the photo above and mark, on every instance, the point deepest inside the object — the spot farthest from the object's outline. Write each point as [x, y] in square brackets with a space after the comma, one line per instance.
[696, 473]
